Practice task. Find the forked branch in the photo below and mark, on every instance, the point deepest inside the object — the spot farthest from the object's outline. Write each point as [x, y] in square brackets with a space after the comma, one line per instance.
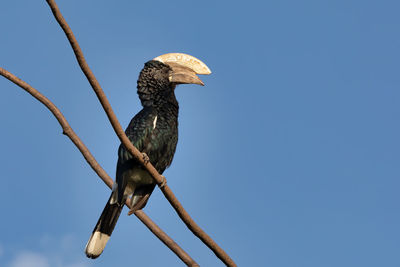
[190, 223]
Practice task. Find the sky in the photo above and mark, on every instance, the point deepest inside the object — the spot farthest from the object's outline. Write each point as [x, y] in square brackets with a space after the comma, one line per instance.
[287, 157]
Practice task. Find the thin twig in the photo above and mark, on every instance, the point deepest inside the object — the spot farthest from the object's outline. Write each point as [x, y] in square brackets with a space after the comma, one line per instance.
[190, 223]
[68, 131]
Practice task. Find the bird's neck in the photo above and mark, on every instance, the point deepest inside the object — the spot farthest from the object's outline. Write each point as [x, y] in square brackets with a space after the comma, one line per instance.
[169, 106]
[163, 101]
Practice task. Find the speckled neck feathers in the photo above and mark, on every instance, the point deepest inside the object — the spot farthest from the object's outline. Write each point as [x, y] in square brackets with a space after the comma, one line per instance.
[154, 88]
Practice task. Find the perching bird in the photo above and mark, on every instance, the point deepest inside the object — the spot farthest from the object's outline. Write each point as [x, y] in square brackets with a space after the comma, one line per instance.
[153, 131]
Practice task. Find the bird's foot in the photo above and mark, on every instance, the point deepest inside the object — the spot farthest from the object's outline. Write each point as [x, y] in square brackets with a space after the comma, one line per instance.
[163, 183]
[133, 208]
[131, 211]
[146, 158]
[139, 204]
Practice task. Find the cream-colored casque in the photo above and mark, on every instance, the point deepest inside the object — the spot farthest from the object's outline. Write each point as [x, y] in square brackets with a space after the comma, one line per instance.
[186, 60]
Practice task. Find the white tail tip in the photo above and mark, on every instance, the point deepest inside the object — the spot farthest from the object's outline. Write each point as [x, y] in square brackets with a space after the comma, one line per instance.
[96, 244]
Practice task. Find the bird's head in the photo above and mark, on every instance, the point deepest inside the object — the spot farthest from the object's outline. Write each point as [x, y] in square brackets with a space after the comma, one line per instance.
[159, 77]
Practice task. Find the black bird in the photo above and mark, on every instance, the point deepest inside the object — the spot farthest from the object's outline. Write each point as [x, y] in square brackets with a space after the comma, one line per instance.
[153, 131]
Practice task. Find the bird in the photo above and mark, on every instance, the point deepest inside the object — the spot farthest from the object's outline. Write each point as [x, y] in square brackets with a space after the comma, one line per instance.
[154, 132]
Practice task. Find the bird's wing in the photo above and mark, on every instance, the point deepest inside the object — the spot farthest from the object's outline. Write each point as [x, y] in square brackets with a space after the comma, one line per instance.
[139, 132]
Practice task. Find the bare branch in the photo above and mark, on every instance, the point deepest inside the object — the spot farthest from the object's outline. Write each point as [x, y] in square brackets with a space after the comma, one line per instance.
[68, 131]
[190, 223]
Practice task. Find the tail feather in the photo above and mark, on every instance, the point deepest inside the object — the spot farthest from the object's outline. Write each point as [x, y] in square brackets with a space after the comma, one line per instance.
[103, 229]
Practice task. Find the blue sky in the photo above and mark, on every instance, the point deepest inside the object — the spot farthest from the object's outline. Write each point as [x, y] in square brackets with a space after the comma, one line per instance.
[289, 156]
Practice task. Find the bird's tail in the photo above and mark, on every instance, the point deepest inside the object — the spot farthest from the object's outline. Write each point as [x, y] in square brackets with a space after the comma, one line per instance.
[104, 227]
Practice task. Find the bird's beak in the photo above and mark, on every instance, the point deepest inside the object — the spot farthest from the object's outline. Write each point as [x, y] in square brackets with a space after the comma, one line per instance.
[184, 68]
[181, 74]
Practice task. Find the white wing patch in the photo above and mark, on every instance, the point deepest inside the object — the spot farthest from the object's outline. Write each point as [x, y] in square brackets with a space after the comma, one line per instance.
[154, 122]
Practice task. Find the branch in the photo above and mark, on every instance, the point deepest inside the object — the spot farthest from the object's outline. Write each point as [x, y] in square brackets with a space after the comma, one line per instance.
[190, 223]
[68, 131]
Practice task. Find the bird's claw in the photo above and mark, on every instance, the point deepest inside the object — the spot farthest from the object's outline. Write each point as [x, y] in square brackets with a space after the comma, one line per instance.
[146, 158]
[163, 183]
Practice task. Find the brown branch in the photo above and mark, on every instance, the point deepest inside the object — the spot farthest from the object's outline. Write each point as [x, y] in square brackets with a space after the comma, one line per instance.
[68, 131]
[190, 223]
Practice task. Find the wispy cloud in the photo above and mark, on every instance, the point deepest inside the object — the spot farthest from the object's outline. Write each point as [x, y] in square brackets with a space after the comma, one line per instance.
[64, 254]
[29, 259]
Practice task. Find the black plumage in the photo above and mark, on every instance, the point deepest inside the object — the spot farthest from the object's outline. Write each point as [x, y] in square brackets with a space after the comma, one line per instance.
[153, 131]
